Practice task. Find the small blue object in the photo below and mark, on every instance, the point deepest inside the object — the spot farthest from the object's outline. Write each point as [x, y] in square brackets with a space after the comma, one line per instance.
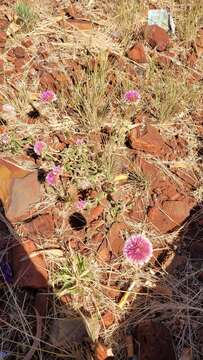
[7, 273]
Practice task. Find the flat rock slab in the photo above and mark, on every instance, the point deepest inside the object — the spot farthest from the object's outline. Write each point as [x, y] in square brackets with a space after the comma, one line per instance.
[19, 190]
[29, 268]
[155, 341]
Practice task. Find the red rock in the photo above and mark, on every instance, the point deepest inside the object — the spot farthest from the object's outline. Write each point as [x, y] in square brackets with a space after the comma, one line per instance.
[1, 65]
[171, 214]
[107, 319]
[164, 60]
[158, 181]
[28, 271]
[19, 52]
[101, 352]
[47, 81]
[43, 52]
[41, 303]
[155, 341]
[157, 37]
[27, 42]
[138, 212]
[15, 181]
[103, 253]
[11, 56]
[19, 64]
[42, 225]
[3, 38]
[137, 53]
[148, 140]
[3, 23]
[196, 250]
[188, 177]
[95, 213]
[115, 238]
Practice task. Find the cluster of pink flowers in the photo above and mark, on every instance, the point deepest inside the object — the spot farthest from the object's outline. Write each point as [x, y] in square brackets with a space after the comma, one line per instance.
[81, 204]
[9, 109]
[53, 175]
[48, 96]
[4, 138]
[39, 147]
[79, 141]
[131, 96]
[138, 249]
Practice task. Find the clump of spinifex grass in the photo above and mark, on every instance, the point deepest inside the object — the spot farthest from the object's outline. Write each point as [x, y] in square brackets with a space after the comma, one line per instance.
[170, 93]
[128, 14]
[26, 14]
[188, 16]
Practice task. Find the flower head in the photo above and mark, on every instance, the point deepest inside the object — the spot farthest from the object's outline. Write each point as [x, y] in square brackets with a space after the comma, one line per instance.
[81, 204]
[53, 175]
[8, 108]
[39, 147]
[79, 141]
[131, 96]
[56, 169]
[5, 138]
[48, 96]
[138, 249]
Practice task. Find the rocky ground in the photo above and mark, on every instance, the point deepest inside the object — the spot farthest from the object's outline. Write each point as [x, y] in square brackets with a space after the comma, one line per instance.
[82, 167]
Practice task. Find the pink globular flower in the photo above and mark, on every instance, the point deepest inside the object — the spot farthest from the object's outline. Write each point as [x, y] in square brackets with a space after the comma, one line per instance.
[5, 138]
[79, 141]
[39, 147]
[53, 175]
[48, 96]
[56, 169]
[138, 249]
[81, 204]
[131, 96]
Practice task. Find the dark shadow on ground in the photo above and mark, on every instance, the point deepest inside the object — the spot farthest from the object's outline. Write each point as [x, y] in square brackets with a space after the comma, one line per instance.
[168, 315]
[28, 330]
[168, 320]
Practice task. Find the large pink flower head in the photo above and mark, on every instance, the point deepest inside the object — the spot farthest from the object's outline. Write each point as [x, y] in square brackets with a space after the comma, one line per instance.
[53, 175]
[138, 249]
[131, 96]
[48, 96]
